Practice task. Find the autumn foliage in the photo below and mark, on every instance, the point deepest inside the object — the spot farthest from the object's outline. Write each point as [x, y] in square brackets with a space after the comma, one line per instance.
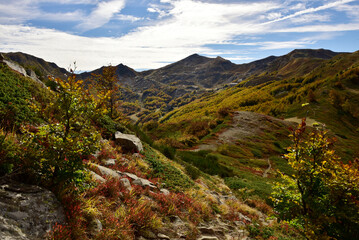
[323, 193]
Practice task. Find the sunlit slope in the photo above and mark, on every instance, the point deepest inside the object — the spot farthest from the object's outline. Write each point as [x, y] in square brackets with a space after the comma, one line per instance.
[331, 89]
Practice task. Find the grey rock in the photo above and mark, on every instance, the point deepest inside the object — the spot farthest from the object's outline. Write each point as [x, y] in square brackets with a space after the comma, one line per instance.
[17, 216]
[130, 175]
[96, 154]
[109, 162]
[106, 171]
[97, 177]
[241, 216]
[239, 223]
[207, 238]
[95, 227]
[162, 236]
[27, 211]
[148, 234]
[165, 191]
[126, 183]
[206, 230]
[128, 142]
[143, 183]
[31, 74]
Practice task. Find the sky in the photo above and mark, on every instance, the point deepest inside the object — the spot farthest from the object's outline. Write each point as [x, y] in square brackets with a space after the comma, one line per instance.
[148, 34]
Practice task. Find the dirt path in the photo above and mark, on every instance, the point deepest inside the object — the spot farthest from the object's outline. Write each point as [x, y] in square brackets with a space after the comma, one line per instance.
[244, 125]
[309, 121]
[356, 91]
[265, 174]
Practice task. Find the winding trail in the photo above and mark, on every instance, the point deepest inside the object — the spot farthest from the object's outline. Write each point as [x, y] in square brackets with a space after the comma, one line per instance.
[244, 125]
[265, 174]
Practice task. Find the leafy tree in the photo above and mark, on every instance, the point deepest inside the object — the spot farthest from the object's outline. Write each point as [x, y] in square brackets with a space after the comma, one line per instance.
[107, 88]
[55, 151]
[323, 193]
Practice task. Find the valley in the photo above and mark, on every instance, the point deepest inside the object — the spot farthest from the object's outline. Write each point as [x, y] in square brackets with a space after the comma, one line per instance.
[220, 141]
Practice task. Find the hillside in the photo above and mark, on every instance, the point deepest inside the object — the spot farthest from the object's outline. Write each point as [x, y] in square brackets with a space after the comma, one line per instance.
[105, 191]
[217, 152]
[148, 95]
[328, 95]
[41, 67]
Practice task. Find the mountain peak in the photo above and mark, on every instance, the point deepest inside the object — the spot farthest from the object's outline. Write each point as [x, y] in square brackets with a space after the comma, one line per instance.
[312, 53]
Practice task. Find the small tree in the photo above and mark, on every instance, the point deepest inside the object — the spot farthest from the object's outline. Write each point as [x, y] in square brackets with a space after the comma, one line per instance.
[56, 150]
[107, 87]
[323, 193]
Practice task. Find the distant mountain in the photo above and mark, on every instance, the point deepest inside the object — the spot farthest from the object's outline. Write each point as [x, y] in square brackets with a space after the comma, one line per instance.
[126, 74]
[194, 70]
[163, 89]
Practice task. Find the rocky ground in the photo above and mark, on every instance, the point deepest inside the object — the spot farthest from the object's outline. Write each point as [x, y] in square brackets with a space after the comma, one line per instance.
[27, 212]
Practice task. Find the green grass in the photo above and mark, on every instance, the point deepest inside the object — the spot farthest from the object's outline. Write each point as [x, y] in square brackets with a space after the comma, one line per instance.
[281, 164]
[206, 162]
[249, 184]
[173, 178]
[16, 94]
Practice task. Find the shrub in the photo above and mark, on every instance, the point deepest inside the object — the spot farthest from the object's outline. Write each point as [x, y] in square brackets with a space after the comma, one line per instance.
[166, 150]
[206, 162]
[323, 192]
[224, 112]
[192, 171]
[57, 150]
[10, 154]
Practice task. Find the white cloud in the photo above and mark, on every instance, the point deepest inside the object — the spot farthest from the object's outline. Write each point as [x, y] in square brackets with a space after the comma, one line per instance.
[189, 27]
[334, 4]
[15, 12]
[310, 18]
[322, 28]
[274, 15]
[20, 11]
[285, 44]
[102, 14]
[62, 17]
[351, 10]
[127, 18]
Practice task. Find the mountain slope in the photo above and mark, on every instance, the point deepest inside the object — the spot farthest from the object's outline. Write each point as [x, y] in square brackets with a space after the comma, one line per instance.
[41, 67]
[158, 91]
[225, 126]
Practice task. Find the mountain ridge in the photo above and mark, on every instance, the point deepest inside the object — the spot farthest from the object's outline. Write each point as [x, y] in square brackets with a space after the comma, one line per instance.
[194, 59]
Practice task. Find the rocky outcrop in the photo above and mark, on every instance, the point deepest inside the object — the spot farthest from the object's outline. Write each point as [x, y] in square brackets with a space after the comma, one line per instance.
[27, 212]
[27, 73]
[128, 142]
[123, 177]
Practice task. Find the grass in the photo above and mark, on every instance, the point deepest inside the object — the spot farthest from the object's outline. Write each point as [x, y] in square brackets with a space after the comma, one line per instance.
[173, 178]
[281, 164]
[206, 162]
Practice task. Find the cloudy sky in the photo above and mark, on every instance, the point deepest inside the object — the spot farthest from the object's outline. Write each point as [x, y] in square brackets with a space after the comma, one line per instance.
[145, 34]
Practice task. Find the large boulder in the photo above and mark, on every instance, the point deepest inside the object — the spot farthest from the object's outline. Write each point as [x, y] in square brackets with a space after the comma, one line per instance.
[128, 142]
[27, 212]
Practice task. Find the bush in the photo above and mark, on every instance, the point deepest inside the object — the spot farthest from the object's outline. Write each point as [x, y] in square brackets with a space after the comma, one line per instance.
[192, 171]
[323, 192]
[206, 162]
[9, 154]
